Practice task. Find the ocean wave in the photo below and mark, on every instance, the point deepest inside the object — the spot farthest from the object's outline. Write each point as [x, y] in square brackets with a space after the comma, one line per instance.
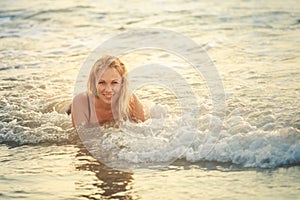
[161, 139]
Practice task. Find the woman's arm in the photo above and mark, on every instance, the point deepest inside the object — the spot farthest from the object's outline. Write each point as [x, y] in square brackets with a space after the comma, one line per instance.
[136, 109]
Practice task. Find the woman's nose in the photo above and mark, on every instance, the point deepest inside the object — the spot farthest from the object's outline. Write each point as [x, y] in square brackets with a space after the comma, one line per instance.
[108, 88]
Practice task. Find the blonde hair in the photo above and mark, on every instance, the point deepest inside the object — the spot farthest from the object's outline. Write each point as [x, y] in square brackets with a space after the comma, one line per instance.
[121, 108]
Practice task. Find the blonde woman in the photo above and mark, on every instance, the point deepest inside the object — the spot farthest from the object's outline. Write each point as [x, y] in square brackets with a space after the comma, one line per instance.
[107, 99]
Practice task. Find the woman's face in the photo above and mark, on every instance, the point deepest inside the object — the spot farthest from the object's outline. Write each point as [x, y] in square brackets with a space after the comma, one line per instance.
[109, 85]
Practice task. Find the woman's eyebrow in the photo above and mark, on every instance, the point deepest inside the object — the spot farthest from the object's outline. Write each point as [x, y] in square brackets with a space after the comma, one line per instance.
[116, 79]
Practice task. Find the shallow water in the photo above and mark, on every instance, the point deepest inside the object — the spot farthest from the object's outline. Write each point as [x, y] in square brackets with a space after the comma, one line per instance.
[67, 172]
[255, 49]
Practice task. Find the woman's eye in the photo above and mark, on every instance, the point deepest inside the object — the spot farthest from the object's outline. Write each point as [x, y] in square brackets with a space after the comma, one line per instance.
[101, 83]
[115, 82]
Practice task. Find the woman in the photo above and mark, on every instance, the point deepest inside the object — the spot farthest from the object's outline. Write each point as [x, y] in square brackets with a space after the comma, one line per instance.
[107, 98]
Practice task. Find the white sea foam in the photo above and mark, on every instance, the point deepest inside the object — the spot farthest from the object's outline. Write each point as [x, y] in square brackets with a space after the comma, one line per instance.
[163, 138]
[154, 142]
[19, 125]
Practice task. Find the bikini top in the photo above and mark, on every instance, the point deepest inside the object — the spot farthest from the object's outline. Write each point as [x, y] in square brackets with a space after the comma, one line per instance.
[89, 108]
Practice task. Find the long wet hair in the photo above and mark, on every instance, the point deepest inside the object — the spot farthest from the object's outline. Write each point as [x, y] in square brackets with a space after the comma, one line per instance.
[121, 105]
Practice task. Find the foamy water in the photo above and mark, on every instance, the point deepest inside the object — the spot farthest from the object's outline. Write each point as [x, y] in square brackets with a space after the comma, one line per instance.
[254, 47]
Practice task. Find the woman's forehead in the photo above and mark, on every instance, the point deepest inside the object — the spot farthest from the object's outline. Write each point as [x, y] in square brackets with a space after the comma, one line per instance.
[109, 74]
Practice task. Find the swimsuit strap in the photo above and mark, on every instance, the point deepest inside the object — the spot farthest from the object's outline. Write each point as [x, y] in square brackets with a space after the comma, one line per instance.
[89, 107]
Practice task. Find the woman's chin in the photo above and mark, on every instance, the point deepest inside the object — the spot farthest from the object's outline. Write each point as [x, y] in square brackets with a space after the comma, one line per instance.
[107, 101]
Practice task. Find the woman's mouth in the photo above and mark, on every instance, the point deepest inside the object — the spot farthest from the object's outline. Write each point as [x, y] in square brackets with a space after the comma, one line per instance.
[108, 96]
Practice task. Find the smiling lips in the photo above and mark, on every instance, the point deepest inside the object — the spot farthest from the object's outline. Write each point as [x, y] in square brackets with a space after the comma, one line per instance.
[108, 96]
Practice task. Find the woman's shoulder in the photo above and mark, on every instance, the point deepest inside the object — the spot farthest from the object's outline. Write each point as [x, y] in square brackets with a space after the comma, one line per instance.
[133, 99]
[80, 113]
[80, 98]
[136, 109]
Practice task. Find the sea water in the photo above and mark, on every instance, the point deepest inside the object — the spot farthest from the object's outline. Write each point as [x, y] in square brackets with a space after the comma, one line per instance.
[250, 152]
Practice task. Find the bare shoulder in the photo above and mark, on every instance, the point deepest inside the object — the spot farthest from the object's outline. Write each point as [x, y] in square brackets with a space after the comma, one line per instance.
[79, 109]
[135, 101]
[80, 102]
[80, 98]
[133, 98]
[136, 109]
